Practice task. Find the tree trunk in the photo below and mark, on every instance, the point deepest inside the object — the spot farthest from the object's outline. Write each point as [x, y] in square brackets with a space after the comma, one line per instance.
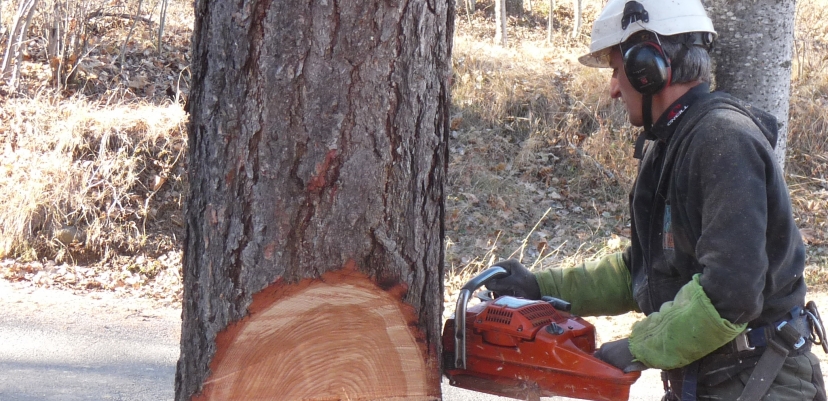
[313, 261]
[753, 55]
[550, 22]
[470, 6]
[500, 22]
[576, 20]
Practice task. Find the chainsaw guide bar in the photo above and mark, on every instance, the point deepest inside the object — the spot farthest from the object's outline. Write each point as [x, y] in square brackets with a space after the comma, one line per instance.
[526, 349]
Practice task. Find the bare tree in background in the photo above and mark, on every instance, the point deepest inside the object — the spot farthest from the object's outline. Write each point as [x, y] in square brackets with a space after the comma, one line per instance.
[10, 67]
[313, 259]
[469, 6]
[576, 23]
[753, 55]
[550, 22]
[500, 23]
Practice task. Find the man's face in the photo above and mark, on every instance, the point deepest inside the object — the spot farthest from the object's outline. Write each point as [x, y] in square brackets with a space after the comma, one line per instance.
[620, 88]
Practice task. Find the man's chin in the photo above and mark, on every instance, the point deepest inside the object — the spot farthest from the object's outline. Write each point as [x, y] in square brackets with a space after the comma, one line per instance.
[635, 119]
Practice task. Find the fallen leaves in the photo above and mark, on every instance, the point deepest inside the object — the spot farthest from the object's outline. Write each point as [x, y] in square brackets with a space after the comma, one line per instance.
[496, 202]
[155, 278]
[809, 235]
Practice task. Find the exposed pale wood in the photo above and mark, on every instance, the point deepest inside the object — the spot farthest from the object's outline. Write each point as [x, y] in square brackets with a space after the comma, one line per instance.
[318, 136]
[338, 338]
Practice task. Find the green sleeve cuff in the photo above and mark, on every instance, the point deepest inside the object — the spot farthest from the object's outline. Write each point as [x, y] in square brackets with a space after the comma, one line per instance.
[595, 288]
[682, 331]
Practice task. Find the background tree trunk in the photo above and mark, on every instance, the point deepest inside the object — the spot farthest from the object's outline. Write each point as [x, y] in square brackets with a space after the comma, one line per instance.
[753, 55]
[550, 22]
[471, 5]
[576, 19]
[313, 262]
[500, 23]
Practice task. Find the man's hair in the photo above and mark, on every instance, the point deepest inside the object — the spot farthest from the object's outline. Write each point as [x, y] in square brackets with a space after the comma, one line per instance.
[689, 58]
[688, 62]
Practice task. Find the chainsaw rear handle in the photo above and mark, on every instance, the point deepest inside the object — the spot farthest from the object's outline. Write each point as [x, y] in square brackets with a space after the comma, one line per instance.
[460, 311]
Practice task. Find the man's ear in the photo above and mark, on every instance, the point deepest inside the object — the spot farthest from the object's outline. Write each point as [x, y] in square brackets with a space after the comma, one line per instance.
[647, 67]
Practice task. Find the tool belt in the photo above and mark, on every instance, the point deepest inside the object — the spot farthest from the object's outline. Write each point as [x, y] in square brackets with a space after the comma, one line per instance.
[763, 348]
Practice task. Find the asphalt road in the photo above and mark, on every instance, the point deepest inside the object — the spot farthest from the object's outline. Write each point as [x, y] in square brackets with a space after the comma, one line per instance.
[57, 346]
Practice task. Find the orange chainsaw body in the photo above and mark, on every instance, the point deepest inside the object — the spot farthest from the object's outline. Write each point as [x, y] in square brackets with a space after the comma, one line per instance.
[528, 349]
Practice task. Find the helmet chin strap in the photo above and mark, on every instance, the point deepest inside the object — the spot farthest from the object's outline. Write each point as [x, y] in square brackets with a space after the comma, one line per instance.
[647, 115]
[647, 112]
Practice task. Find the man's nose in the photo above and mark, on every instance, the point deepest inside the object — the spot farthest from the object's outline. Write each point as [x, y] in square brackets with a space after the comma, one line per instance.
[615, 90]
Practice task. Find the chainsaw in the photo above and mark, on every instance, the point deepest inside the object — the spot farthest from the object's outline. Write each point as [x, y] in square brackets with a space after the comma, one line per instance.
[526, 349]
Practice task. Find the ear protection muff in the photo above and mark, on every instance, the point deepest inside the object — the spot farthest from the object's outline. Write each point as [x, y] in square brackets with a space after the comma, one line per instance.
[647, 67]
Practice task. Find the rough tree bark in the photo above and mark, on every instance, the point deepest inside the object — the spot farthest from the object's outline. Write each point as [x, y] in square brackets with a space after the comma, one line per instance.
[313, 260]
[753, 55]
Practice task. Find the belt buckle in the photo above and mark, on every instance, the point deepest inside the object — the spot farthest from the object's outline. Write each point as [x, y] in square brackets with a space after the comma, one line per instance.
[742, 342]
[799, 342]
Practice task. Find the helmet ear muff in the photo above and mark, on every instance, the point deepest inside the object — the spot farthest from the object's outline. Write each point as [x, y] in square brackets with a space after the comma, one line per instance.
[647, 67]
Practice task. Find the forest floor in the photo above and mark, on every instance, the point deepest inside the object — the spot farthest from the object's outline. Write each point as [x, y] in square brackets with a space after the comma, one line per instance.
[539, 162]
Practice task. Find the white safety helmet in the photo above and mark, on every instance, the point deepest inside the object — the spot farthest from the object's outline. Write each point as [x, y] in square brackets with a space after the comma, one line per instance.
[622, 18]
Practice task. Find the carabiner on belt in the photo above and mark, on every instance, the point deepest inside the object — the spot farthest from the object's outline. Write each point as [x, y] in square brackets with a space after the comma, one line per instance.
[817, 328]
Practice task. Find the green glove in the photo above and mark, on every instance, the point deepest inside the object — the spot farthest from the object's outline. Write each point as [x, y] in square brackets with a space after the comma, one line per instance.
[598, 287]
[682, 331]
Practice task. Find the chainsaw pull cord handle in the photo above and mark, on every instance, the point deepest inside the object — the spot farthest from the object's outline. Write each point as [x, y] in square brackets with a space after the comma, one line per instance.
[460, 311]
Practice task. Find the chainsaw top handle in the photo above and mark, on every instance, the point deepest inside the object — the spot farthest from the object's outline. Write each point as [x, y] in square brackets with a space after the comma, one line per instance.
[484, 276]
[460, 310]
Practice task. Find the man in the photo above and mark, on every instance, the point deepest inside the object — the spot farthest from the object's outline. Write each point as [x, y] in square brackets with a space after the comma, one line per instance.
[715, 261]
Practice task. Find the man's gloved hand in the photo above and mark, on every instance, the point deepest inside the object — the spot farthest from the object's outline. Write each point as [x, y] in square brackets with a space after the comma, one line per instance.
[617, 353]
[519, 283]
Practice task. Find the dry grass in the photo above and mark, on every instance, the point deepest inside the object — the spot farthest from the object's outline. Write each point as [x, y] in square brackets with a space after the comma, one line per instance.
[533, 130]
[807, 157]
[93, 138]
[79, 180]
[540, 156]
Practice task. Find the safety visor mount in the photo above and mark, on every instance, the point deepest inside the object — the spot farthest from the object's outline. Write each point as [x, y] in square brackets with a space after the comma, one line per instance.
[621, 19]
[634, 11]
